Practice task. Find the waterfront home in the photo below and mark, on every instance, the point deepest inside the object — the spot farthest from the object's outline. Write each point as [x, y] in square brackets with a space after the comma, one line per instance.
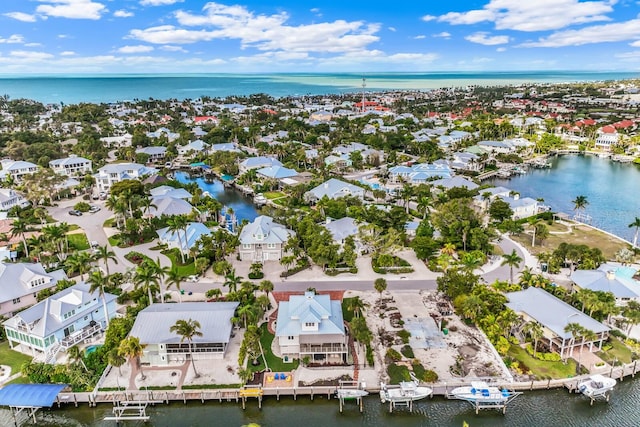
[333, 189]
[339, 162]
[497, 146]
[10, 198]
[276, 172]
[184, 240]
[111, 173]
[153, 324]
[168, 206]
[21, 282]
[522, 207]
[553, 314]
[15, 170]
[258, 163]
[168, 191]
[71, 166]
[420, 173]
[609, 277]
[59, 322]
[156, 154]
[193, 148]
[263, 240]
[456, 181]
[604, 141]
[311, 326]
[465, 161]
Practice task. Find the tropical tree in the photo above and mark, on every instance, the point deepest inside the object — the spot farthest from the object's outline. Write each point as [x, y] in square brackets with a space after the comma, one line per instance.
[145, 276]
[512, 260]
[176, 224]
[266, 286]
[248, 313]
[103, 253]
[74, 355]
[380, 285]
[174, 278]
[575, 329]
[132, 349]
[636, 224]
[114, 358]
[232, 281]
[632, 314]
[187, 329]
[535, 331]
[18, 228]
[79, 262]
[97, 281]
[356, 305]
[580, 203]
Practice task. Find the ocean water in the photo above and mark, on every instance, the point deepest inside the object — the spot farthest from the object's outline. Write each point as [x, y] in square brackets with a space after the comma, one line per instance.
[99, 88]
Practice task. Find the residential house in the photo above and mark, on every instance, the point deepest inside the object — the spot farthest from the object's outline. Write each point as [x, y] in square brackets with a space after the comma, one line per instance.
[60, 321]
[117, 141]
[115, 172]
[10, 198]
[333, 189]
[171, 136]
[153, 328]
[312, 326]
[258, 162]
[604, 141]
[420, 173]
[20, 283]
[456, 181]
[522, 207]
[16, 169]
[183, 240]
[276, 172]
[156, 154]
[342, 228]
[193, 148]
[72, 166]
[168, 191]
[169, 206]
[609, 277]
[226, 146]
[553, 314]
[263, 240]
[497, 146]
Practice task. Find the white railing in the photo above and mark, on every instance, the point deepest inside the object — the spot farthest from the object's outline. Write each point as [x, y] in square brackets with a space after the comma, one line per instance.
[84, 333]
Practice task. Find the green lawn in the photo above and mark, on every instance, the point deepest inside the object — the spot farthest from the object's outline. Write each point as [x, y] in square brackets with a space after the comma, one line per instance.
[274, 195]
[109, 222]
[78, 241]
[618, 352]
[19, 380]
[542, 369]
[12, 358]
[184, 269]
[275, 363]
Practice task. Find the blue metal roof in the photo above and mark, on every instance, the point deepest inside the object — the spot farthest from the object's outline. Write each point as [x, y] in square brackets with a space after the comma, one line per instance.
[30, 395]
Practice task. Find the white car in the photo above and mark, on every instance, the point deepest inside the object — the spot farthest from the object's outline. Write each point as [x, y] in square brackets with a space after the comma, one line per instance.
[193, 278]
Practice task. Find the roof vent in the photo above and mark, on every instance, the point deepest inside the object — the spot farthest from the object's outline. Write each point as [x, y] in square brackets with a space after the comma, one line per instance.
[611, 274]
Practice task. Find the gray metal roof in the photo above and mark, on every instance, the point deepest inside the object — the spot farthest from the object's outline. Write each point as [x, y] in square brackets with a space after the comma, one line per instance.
[607, 278]
[309, 308]
[15, 279]
[264, 230]
[551, 312]
[153, 323]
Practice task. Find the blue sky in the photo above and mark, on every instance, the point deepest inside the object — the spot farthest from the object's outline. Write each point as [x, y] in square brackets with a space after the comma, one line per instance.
[178, 36]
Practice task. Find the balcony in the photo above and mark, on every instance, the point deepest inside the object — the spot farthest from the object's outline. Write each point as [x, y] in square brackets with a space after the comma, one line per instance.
[323, 348]
[82, 334]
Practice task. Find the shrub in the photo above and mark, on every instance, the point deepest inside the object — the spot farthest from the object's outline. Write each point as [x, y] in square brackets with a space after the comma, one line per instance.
[221, 267]
[407, 352]
[369, 355]
[82, 206]
[398, 373]
[404, 335]
[393, 355]
[423, 374]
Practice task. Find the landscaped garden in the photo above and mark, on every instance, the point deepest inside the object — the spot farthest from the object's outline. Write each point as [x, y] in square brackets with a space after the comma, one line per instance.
[12, 358]
[519, 360]
[276, 364]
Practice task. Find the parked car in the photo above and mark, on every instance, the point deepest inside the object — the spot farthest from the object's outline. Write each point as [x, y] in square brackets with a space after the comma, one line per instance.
[94, 244]
[193, 278]
[94, 209]
[103, 195]
[75, 213]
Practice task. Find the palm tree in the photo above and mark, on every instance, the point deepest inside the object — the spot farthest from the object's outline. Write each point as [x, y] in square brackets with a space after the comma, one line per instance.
[632, 314]
[97, 281]
[266, 286]
[380, 285]
[74, 355]
[356, 305]
[176, 224]
[187, 329]
[175, 278]
[636, 224]
[580, 203]
[535, 331]
[232, 281]
[247, 312]
[18, 228]
[575, 329]
[132, 349]
[146, 277]
[105, 254]
[114, 358]
[512, 260]
[79, 262]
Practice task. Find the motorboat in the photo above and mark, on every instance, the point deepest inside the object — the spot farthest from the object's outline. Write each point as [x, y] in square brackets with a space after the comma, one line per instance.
[483, 396]
[596, 386]
[259, 199]
[406, 391]
[350, 393]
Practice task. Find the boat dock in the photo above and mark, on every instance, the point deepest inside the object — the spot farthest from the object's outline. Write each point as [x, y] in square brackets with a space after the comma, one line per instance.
[131, 410]
[351, 390]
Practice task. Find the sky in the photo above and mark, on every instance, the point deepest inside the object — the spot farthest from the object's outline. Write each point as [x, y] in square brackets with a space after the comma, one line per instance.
[295, 36]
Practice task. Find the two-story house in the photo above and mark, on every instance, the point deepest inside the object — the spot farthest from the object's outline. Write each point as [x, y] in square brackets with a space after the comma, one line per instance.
[10, 198]
[16, 169]
[156, 154]
[71, 166]
[116, 172]
[311, 326]
[21, 282]
[333, 189]
[263, 240]
[60, 322]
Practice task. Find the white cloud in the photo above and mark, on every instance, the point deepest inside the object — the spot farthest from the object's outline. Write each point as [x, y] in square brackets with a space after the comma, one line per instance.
[135, 49]
[12, 39]
[501, 49]
[21, 16]
[72, 9]
[443, 35]
[30, 55]
[629, 56]
[314, 10]
[539, 15]
[67, 53]
[620, 31]
[159, 2]
[635, 43]
[170, 48]
[486, 39]
[263, 32]
[427, 18]
[32, 44]
[392, 29]
[420, 37]
[123, 13]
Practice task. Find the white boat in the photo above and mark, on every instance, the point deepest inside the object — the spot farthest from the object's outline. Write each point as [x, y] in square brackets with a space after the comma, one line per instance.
[259, 199]
[407, 391]
[350, 393]
[596, 386]
[483, 396]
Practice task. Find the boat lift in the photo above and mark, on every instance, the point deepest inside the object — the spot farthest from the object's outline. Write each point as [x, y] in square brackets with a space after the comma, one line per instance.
[131, 410]
[251, 391]
[351, 390]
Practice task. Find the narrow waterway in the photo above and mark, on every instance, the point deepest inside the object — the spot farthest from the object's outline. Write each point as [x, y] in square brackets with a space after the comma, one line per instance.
[612, 189]
[541, 408]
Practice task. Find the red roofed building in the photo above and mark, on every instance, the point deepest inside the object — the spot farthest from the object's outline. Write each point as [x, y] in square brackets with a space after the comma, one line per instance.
[205, 119]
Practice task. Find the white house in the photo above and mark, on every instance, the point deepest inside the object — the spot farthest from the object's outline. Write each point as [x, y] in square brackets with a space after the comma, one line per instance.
[333, 189]
[71, 166]
[614, 278]
[263, 240]
[258, 163]
[115, 172]
[194, 147]
[16, 169]
[60, 321]
[153, 324]
[184, 240]
[156, 154]
[19, 284]
[605, 141]
[312, 326]
[10, 198]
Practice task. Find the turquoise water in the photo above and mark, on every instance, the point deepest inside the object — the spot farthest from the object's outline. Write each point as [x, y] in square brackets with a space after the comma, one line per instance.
[90, 349]
[111, 88]
[612, 189]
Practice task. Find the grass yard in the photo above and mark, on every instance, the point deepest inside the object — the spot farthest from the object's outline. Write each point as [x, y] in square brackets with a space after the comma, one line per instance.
[184, 269]
[12, 358]
[542, 369]
[274, 195]
[78, 241]
[618, 352]
[275, 363]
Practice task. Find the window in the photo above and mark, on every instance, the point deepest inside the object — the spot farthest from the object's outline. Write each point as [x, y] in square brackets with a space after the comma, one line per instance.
[271, 245]
[290, 337]
[16, 300]
[246, 246]
[309, 324]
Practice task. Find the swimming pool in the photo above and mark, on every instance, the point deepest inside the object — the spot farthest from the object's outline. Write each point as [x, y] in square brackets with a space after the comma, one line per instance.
[90, 349]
